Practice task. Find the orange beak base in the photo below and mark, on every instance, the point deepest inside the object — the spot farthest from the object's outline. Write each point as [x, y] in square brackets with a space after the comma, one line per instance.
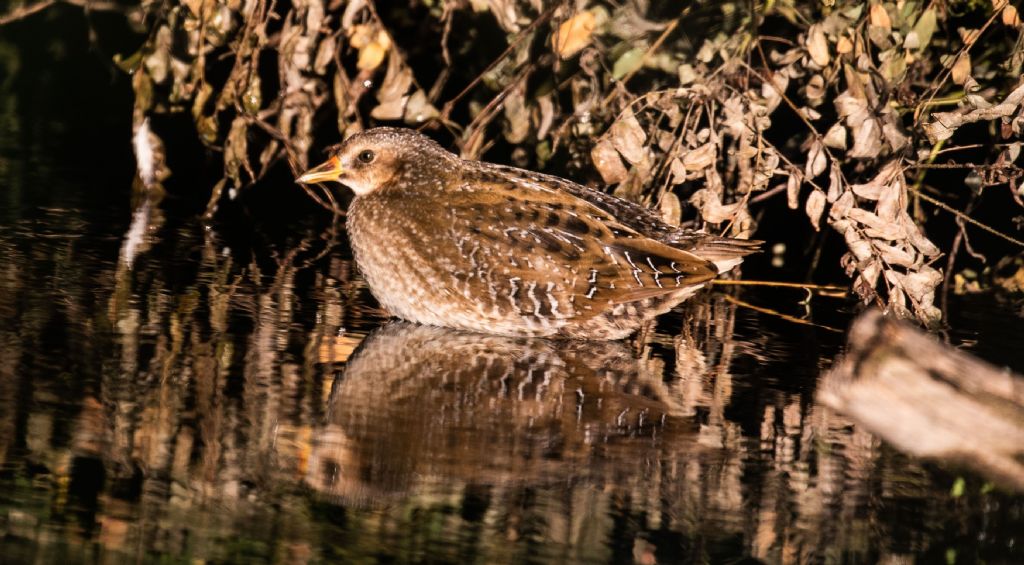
[329, 170]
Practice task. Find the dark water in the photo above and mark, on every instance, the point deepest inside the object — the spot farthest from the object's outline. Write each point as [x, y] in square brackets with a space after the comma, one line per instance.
[177, 392]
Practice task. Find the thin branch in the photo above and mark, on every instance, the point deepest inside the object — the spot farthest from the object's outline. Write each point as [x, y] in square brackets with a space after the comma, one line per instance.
[447, 109]
[647, 54]
[805, 286]
[967, 218]
[778, 314]
[933, 87]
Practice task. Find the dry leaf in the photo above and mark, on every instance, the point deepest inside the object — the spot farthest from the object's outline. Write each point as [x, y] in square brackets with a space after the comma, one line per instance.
[392, 110]
[893, 134]
[700, 158]
[835, 137]
[608, 163]
[687, 74]
[816, 161]
[236, 152]
[815, 91]
[396, 82]
[919, 241]
[546, 106]
[968, 35]
[921, 35]
[517, 115]
[880, 37]
[875, 227]
[810, 113]
[371, 56]
[869, 276]
[712, 209]
[891, 201]
[815, 207]
[920, 287]
[817, 45]
[842, 205]
[772, 89]
[1011, 17]
[627, 63]
[628, 137]
[418, 109]
[962, 68]
[324, 55]
[671, 209]
[853, 109]
[844, 45]
[373, 45]
[870, 190]
[867, 140]
[947, 122]
[894, 255]
[897, 298]
[678, 171]
[574, 34]
[158, 63]
[861, 248]
[793, 190]
[1013, 151]
[361, 34]
[878, 17]
[835, 182]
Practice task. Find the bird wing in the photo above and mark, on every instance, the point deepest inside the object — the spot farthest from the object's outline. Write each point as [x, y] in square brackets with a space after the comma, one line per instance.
[547, 252]
[636, 216]
[725, 252]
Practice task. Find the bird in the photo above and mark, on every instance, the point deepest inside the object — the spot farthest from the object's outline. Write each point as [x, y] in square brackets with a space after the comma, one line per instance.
[445, 241]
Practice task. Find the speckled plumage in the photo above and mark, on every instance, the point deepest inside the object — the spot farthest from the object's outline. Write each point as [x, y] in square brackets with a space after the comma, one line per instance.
[472, 245]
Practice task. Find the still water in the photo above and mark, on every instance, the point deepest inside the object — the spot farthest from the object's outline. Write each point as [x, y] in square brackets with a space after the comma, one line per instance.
[178, 392]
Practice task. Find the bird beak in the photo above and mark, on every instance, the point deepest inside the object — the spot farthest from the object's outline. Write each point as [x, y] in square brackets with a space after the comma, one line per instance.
[329, 170]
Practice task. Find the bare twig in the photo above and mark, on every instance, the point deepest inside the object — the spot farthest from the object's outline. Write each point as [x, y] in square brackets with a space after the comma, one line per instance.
[778, 314]
[934, 87]
[779, 284]
[968, 219]
[449, 105]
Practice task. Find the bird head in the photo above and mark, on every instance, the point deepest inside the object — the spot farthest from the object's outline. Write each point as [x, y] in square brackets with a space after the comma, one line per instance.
[372, 159]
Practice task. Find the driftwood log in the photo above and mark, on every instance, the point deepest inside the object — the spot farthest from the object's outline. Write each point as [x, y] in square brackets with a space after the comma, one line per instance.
[929, 399]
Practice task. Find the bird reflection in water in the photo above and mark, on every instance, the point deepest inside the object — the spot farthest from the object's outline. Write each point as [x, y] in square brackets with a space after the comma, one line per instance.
[417, 402]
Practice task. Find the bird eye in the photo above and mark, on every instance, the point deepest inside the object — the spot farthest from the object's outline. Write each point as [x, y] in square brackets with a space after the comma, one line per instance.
[366, 156]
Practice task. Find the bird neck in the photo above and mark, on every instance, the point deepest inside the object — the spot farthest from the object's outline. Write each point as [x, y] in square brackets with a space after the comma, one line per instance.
[427, 174]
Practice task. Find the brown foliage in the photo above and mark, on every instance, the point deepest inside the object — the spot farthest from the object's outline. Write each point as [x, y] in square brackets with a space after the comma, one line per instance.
[861, 79]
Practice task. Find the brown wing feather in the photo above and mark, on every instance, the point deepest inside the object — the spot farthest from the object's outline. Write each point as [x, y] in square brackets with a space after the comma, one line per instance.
[549, 253]
[641, 219]
[635, 216]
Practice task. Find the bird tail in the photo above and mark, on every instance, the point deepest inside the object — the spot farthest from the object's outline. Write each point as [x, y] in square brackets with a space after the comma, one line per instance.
[725, 252]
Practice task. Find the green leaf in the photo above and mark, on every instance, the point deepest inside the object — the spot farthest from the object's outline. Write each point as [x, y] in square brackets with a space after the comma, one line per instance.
[921, 35]
[627, 63]
[958, 487]
[543, 153]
